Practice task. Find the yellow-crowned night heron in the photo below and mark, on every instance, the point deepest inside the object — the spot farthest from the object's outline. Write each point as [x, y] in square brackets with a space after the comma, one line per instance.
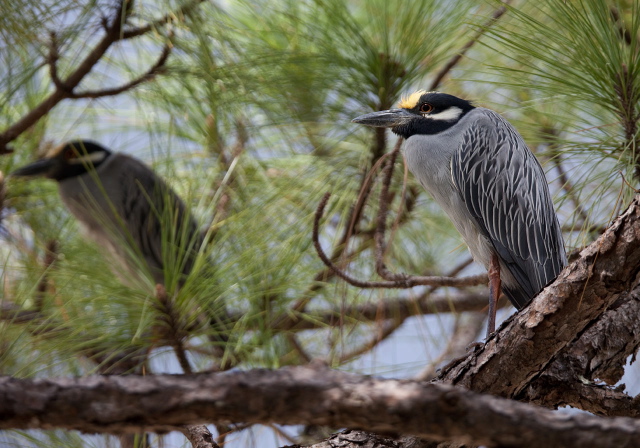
[124, 207]
[480, 171]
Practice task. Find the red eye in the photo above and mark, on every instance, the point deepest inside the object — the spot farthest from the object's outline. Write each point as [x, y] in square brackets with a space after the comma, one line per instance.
[69, 154]
[425, 108]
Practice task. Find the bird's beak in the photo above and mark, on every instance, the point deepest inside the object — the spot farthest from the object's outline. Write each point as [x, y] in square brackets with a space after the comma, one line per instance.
[386, 118]
[38, 168]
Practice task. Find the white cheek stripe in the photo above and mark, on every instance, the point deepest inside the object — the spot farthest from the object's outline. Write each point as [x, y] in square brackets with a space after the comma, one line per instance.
[89, 158]
[453, 113]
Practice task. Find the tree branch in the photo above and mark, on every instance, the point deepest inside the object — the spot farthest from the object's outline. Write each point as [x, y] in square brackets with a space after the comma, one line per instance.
[52, 61]
[64, 88]
[404, 282]
[295, 396]
[390, 308]
[466, 330]
[199, 436]
[153, 71]
[164, 20]
[444, 71]
[600, 353]
[527, 342]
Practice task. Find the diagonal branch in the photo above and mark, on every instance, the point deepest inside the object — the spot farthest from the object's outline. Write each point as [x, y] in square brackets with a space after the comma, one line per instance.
[444, 71]
[199, 436]
[164, 20]
[153, 71]
[530, 340]
[52, 62]
[600, 353]
[393, 280]
[64, 87]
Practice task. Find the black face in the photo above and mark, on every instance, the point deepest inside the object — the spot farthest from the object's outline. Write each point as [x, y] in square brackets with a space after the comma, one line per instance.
[71, 159]
[420, 113]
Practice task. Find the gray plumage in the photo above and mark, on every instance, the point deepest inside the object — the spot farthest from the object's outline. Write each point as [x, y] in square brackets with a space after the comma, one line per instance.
[125, 208]
[494, 190]
[482, 174]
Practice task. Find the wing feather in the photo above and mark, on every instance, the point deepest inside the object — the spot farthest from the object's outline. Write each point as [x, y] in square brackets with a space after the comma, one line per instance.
[505, 190]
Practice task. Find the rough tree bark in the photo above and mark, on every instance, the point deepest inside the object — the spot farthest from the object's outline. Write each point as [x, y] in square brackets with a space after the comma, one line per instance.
[301, 395]
[527, 342]
[559, 337]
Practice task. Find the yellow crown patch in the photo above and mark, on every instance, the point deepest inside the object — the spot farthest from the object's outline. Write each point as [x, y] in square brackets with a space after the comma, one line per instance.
[410, 101]
[50, 150]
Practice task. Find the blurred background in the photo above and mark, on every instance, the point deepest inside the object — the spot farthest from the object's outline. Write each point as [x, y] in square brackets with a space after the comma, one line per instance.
[249, 121]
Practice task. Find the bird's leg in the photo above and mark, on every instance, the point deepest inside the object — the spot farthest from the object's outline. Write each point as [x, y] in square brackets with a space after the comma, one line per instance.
[494, 292]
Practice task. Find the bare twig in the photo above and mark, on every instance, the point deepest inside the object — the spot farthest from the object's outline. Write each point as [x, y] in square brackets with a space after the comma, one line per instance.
[466, 330]
[402, 282]
[444, 71]
[549, 135]
[341, 246]
[153, 71]
[382, 332]
[293, 340]
[381, 227]
[164, 20]
[568, 187]
[64, 87]
[52, 61]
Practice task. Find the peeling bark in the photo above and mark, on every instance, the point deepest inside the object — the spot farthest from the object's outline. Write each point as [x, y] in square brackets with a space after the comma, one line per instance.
[300, 395]
[600, 353]
[528, 342]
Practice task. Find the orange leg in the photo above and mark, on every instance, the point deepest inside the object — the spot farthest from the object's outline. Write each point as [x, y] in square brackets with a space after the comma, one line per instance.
[494, 292]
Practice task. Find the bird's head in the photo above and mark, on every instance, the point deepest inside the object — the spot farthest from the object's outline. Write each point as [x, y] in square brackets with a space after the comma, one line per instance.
[67, 160]
[421, 112]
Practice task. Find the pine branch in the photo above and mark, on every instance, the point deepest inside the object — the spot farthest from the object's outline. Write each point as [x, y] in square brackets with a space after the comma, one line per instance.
[163, 21]
[446, 69]
[64, 88]
[150, 74]
[199, 436]
[296, 396]
[583, 291]
[402, 281]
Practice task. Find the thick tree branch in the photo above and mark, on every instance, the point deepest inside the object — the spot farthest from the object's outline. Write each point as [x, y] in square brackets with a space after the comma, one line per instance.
[529, 341]
[600, 353]
[295, 396]
[356, 439]
[550, 392]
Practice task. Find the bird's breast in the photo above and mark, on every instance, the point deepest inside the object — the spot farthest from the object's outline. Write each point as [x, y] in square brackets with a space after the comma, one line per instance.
[428, 157]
